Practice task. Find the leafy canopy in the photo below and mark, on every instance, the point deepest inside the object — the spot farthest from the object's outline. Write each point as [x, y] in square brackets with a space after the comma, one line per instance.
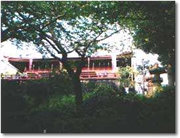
[50, 26]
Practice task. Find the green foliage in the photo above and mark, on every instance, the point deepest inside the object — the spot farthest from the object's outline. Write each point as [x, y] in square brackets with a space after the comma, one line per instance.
[38, 91]
[88, 87]
[59, 101]
[166, 91]
[131, 97]
[61, 83]
[157, 71]
[72, 28]
[51, 102]
[126, 76]
[156, 33]
[78, 25]
[102, 112]
[104, 90]
[160, 109]
[152, 25]
[57, 28]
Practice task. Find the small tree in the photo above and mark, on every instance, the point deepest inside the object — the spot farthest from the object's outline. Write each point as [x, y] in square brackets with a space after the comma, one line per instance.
[126, 76]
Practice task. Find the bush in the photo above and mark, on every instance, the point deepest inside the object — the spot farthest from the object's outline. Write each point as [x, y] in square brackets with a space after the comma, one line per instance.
[100, 97]
[58, 102]
[38, 91]
[61, 84]
[158, 112]
[88, 87]
[103, 110]
[122, 90]
[13, 106]
[104, 90]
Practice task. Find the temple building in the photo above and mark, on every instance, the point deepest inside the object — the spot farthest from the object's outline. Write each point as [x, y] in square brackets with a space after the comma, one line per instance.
[96, 67]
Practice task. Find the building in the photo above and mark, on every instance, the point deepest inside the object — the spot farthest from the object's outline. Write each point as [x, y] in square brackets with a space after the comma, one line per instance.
[96, 67]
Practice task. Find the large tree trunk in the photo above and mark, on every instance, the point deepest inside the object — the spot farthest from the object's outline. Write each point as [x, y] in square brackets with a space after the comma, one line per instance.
[171, 69]
[75, 76]
[171, 75]
[77, 90]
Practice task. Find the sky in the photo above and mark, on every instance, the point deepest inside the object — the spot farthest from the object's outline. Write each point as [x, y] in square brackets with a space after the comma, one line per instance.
[119, 42]
[28, 50]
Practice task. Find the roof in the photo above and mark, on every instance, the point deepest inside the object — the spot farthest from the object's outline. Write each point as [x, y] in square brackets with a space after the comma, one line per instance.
[125, 54]
[6, 67]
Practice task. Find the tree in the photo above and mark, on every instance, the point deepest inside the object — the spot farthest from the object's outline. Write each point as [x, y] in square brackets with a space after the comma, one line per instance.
[58, 31]
[156, 33]
[152, 25]
[126, 76]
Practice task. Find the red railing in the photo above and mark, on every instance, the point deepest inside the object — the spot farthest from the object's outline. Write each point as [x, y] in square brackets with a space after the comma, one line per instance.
[96, 68]
[87, 73]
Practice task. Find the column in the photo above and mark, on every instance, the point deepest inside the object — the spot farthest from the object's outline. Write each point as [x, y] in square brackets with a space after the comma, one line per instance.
[93, 65]
[30, 63]
[114, 63]
[88, 62]
[60, 66]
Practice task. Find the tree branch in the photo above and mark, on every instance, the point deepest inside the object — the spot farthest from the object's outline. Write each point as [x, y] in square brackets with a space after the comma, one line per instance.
[50, 52]
[89, 44]
[108, 36]
[52, 21]
[53, 46]
[64, 60]
[57, 43]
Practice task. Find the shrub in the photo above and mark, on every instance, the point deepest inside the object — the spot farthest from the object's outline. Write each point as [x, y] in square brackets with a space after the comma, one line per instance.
[122, 90]
[103, 111]
[104, 90]
[88, 87]
[100, 97]
[38, 91]
[58, 102]
[126, 76]
[61, 84]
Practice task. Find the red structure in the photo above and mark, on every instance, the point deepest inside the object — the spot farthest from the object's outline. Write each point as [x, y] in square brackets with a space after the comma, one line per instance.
[100, 67]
